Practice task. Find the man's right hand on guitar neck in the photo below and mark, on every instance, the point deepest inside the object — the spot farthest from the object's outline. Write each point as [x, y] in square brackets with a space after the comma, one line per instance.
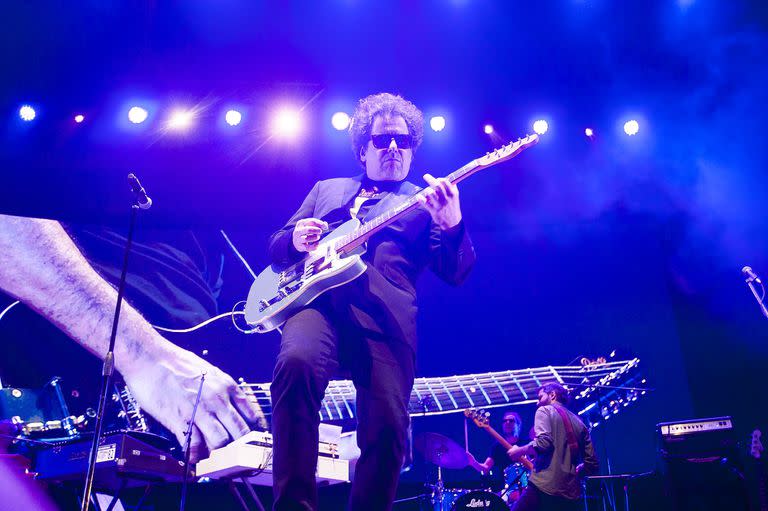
[306, 234]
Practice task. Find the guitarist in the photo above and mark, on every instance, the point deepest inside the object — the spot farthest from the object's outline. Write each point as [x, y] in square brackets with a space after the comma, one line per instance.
[368, 325]
[498, 460]
[564, 454]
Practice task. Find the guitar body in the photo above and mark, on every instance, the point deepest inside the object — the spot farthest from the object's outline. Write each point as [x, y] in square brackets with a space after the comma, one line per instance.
[277, 294]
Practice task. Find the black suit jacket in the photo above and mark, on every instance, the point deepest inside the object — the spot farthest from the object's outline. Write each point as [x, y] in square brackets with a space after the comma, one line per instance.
[383, 299]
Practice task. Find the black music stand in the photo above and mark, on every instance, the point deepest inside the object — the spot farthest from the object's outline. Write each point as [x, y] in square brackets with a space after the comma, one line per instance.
[607, 486]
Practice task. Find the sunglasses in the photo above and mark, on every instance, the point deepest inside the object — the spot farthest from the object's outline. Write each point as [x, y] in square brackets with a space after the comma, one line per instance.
[383, 141]
[509, 420]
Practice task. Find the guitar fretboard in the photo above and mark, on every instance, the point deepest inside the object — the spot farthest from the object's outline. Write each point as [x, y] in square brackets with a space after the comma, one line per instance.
[450, 394]
[362, 233]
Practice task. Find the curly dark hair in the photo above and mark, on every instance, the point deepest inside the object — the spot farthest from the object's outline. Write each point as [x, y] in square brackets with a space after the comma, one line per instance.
[560, 393]
[386, 105]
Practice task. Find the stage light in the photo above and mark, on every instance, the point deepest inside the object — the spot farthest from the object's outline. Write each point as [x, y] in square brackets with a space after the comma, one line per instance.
[588, 132]
[286, 123]
[27, 113]
[79, 118]
[340, 121]
[437, 123]
[540, 126]
[137, 115]
[180, 119]
[233, 117]
[488, 129]
[631, 127]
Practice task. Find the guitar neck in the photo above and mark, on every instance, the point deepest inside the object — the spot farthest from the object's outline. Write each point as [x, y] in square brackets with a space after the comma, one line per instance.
[359, 236]
[500, 439]
[506, 445]
[441, 395]
[363, 233]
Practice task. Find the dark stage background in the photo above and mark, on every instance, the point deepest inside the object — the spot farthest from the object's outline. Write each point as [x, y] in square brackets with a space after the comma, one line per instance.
[584, 246]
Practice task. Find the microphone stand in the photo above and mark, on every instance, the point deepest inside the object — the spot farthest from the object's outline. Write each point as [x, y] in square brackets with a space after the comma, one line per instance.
[750, 280]
[107, 371]
[599, 389]
[187, 442]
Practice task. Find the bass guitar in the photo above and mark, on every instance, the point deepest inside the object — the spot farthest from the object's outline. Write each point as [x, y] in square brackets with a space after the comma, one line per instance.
[480, 418]
[278, 292]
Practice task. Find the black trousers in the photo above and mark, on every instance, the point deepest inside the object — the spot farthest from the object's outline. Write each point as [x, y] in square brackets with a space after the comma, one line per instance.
[533, 499]
[315, 342]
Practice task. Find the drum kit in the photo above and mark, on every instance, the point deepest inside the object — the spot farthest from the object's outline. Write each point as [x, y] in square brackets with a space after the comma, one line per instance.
[445, 453]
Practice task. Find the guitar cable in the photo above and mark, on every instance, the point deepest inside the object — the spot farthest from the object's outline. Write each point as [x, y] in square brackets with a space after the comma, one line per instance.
[232, 314]
[11, 306]
[208, 321]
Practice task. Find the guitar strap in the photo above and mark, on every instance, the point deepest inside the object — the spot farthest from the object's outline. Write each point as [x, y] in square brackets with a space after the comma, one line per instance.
[570, 436]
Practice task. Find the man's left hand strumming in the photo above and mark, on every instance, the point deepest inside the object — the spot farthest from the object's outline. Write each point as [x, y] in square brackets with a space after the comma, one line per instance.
[441, 200]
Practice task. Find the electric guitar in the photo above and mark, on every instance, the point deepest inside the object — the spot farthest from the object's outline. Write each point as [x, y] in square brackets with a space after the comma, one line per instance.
[480, 418]
[278, 292]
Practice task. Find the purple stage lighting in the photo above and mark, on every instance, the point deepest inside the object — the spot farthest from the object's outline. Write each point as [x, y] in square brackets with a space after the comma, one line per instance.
[137, 115]
[286, 123]
[27, 113]
[540, 126]
[233, 117]
[180, 119]
[488, 129]
[340, 121]
[631, 127]
[588, 132]
[437, 123]
[79, 118]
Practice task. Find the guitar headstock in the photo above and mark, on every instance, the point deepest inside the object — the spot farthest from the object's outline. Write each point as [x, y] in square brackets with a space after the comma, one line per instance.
[479, 417]
[507, 151]
[756, 448]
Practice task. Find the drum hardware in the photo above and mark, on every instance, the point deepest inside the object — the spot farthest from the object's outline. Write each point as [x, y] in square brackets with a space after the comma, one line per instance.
[441, 450]
[445, 453]
[515, 481]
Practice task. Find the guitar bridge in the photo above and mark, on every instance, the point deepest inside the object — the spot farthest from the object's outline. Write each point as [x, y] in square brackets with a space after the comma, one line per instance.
[282, 292]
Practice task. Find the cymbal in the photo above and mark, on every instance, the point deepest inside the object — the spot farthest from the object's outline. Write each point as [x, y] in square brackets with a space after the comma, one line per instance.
[441, 450]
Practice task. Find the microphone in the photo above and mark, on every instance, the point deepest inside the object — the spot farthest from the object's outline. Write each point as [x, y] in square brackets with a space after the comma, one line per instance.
[747, 271]
[142, 199]
[751, 278]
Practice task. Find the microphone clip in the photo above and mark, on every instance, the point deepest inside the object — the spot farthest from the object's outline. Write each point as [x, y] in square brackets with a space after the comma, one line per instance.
[143, 201]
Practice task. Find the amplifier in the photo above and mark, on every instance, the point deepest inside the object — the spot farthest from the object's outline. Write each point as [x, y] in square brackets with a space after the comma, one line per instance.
[697, 438]
[691, 427]
[124, 459]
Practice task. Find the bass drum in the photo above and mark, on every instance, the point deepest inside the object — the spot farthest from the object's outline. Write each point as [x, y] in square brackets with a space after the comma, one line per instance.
[479, 500]
[445, 500]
